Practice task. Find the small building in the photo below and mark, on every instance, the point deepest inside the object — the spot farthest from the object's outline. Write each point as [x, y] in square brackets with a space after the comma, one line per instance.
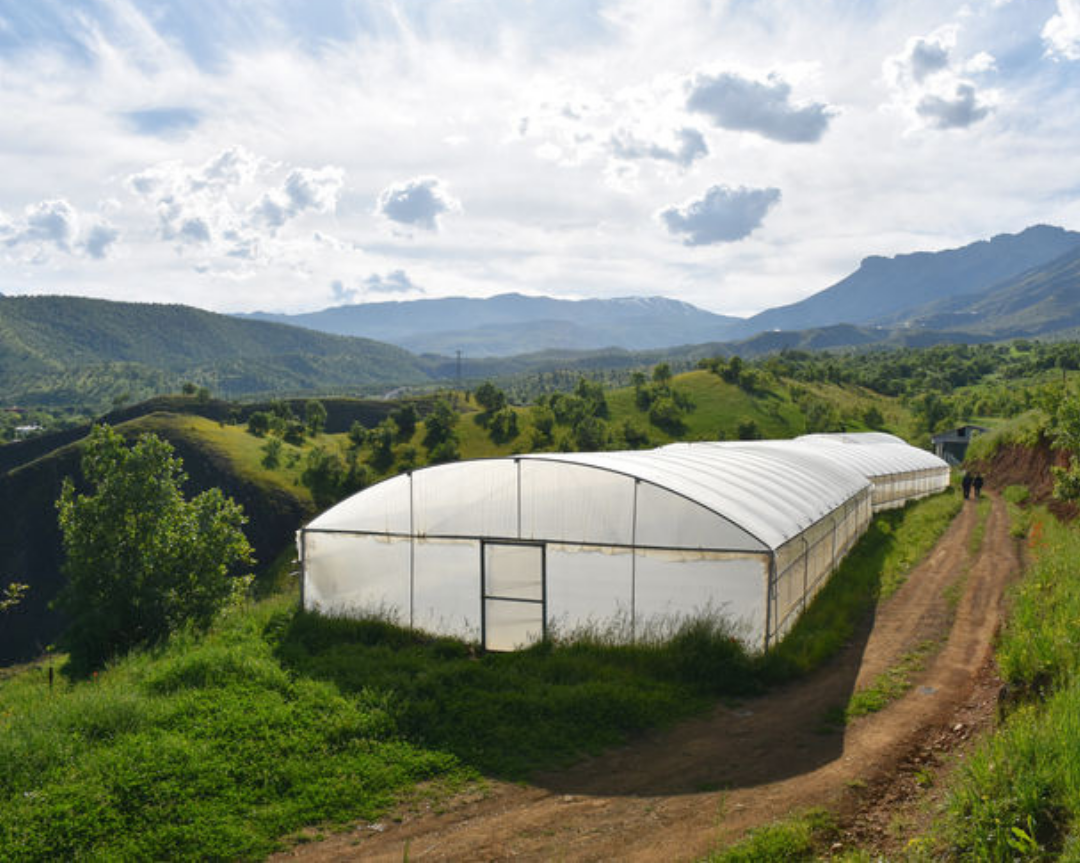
[952, 445]
[23, 432]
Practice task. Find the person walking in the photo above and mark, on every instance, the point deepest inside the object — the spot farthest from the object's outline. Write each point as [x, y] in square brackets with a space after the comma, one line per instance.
[977, 484]
[965, 484]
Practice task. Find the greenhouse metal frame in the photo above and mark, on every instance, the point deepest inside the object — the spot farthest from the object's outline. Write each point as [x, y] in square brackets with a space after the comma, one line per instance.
[507, 551]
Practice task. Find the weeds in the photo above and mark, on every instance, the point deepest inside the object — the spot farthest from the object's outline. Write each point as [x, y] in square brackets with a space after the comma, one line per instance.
[1018, 796]
[793, 839]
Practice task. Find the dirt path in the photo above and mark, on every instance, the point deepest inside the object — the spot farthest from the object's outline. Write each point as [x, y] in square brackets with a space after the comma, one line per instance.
[676, 795]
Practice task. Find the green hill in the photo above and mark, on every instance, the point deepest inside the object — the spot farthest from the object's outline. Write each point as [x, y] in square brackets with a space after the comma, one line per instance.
[214, 456]
[77, 351]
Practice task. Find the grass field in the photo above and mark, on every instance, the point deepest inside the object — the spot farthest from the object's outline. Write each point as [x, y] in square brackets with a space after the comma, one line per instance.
[217, 747]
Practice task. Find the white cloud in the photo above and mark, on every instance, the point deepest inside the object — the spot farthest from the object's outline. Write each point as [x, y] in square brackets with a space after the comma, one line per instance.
[418, 202]
[182, 102]
[721, 215]
[958, 111]
[99, 240]
[742, 104]
[1062, 32]
[303, 189]
[935, 90]
[688, 145]
[394, 282]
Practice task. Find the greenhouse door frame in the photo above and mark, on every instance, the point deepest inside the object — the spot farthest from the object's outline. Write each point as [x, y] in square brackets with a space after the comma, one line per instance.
[533, 593]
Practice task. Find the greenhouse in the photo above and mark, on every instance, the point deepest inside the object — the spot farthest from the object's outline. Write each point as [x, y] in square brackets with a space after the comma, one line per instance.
[506, 551]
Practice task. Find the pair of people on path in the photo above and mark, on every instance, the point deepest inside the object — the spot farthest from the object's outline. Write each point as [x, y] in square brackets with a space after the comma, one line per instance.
[970, 482]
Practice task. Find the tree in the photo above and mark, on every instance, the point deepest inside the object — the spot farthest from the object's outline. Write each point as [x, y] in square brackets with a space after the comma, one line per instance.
[490, 397]
[258, 423]
[405, 418]
[271, 451]
[439, 426]
[141, 560]
[324, 476]
[314, 416]
[12, 595]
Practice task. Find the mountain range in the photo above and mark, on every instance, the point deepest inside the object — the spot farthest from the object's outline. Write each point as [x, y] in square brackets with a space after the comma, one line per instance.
[75, 351]
[882, 292]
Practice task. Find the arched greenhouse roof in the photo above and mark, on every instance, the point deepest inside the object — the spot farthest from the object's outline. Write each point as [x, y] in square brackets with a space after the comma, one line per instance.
[875, 454]
[750, 496]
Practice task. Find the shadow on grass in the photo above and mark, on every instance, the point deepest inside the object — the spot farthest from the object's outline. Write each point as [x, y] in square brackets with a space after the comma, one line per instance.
[533, 713]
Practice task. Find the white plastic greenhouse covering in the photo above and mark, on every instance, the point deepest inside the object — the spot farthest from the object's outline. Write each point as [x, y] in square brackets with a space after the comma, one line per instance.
[506, 551]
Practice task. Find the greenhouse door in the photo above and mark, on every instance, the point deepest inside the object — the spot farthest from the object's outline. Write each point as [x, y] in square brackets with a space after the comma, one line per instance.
[513, 595]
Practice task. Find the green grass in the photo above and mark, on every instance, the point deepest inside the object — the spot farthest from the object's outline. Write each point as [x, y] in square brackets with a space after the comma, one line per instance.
[1018, 795]
[1023, 430]
[214, 748]
[509, 714]
[209, 750]
[892, 683]
[793, 839]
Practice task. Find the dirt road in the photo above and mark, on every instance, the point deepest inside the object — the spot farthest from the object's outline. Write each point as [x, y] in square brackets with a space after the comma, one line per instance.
[678, 794]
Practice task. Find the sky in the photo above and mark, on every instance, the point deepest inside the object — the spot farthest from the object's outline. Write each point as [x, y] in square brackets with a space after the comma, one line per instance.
[289, 155]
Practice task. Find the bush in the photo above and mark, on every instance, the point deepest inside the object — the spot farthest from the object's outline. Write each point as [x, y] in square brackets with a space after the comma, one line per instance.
[140, 560]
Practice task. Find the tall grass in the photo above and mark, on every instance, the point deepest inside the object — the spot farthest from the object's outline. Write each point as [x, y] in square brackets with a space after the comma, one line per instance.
[206, 751]
[509, 714]
[1018, 796]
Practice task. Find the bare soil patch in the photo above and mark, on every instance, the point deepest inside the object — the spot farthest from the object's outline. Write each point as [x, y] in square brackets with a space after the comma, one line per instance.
[678, 794]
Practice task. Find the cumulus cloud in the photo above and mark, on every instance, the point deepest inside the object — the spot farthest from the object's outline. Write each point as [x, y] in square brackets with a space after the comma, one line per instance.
[45, 226]
[99, 240]
[229, 208]
[765, 107]
[52, 226]
[937, 90]
[304, 189]
[394, 282]
[722, 215]
[688, 145]
[1062, 32]
[959, 111]
[418, 202]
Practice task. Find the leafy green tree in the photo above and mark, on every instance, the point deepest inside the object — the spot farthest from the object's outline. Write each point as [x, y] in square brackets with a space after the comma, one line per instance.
[141, 560]
[258, 423]
[490, 397]
[439, 426]
[293, 432]
[381, 440]
[873, 418]
[748, 429]
[503, 425]
[314, 417]
[271, 451]
[405, 419]
[324, 476]
[12, 595]
[358, 435]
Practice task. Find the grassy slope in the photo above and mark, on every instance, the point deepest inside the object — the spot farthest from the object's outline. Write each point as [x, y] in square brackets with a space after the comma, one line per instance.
[214, 747]
[72, 350]
[1018, 796]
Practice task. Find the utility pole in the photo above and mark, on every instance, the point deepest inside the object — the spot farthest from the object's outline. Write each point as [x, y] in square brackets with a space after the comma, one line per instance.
[459, 368]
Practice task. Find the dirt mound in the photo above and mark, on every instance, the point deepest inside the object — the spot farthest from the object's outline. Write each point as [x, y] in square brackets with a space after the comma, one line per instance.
[1015, 464]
